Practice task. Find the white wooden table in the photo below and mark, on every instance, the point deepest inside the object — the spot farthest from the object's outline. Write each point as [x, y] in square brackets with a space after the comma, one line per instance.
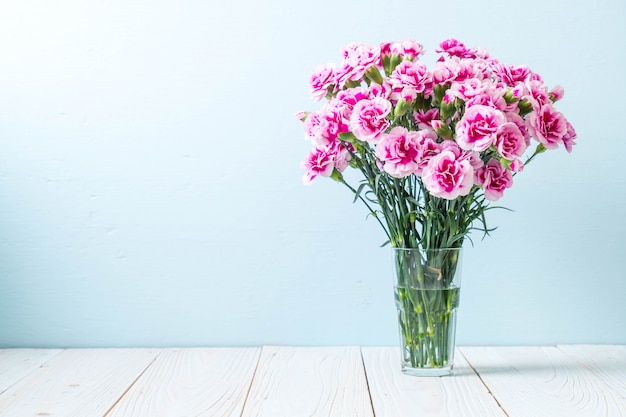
[273, 381]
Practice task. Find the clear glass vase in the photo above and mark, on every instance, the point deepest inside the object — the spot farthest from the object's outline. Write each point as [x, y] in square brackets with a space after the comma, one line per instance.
[427, 290]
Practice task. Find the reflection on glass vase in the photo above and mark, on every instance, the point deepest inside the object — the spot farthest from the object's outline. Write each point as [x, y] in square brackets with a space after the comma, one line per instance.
[427, 291]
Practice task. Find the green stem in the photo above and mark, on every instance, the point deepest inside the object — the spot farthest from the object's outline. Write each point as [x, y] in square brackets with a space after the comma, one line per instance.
[372, 212]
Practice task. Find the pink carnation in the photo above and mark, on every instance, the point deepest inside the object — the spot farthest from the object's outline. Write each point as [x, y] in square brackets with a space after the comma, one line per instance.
[380, 90]
[424, 119]
[411, 49]
[368, 119]
[410, 79]
[407, 49]
[537, 94]
[509, 74]
[322, 78]
[398, 151]
[510, 141]
[568, 139]
[357, 58]
[517, 165]
[323, 161]
[557, 93]
[469, 88]
[548, 126]
[453, 47]
[349, 97]
[448, 176]
[445, 71]
[494, 178]
[323, 127]
[521, 125]
[477, 128]
[428, 148]
[455, 69]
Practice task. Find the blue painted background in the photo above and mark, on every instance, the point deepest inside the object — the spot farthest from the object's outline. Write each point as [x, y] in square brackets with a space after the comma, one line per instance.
[150, 191]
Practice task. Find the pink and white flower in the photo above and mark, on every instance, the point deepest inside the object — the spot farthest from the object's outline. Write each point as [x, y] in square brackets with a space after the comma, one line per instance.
[453, 47]
[398, 151]
[468, 89]
[556, 93]
[369, 119]
[323, 161]
[510, 141]
[325, 126]
[348, 99]
[447, 176]
[548, 126]
[459, 130]
[425, 118]
[517, 165]
[521, 125]
[428, 148]
[455, 69]
[321, 80]
[537, 94]
[357, 58]
[490, 100]
[568, 138]
[477, 128]
[410, 79]
[408, 49]
[380, 90]
[494, 178]
[511, 75]
[318, 162]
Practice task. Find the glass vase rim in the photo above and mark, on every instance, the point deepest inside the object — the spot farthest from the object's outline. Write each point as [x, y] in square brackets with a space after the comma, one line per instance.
[427, 250]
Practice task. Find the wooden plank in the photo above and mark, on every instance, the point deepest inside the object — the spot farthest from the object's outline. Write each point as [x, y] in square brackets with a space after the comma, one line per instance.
[77, 383]
[607, 362]
[542, 381]
[309, 381]
[397, 395]
[15, 364]
[197, 382]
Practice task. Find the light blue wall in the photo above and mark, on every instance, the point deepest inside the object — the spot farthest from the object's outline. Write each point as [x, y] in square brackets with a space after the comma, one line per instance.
[150, 191]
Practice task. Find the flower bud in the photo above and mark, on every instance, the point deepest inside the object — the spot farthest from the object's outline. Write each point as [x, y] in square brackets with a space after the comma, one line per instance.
[352, 83]
[394, 61]
[401, 108]
[509, 97]
[336, 175]
[302, 115]
[525, 107]
[446, 109]
[374, 75]
[557, 93]
[517, 165]
[442, 129]
[440, 91]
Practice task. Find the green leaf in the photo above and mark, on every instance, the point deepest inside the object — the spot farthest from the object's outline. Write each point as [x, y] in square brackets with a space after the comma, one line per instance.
[358, 193]
[347, 137]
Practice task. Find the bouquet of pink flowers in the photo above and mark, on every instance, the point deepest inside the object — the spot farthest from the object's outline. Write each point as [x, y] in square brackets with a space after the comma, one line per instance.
[434, 147]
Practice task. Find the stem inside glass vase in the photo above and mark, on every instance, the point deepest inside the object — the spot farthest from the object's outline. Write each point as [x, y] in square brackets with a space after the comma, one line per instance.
[427, 296]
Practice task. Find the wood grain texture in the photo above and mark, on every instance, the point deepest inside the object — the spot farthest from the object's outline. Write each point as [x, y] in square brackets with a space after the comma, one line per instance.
[16, 364]
[606, 362]
[199, 382]
[543, 382]
[309, 382]
[397, 395]
[76, 383]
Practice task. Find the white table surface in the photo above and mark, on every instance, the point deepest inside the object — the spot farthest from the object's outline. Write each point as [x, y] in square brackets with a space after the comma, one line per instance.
[276, 381]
